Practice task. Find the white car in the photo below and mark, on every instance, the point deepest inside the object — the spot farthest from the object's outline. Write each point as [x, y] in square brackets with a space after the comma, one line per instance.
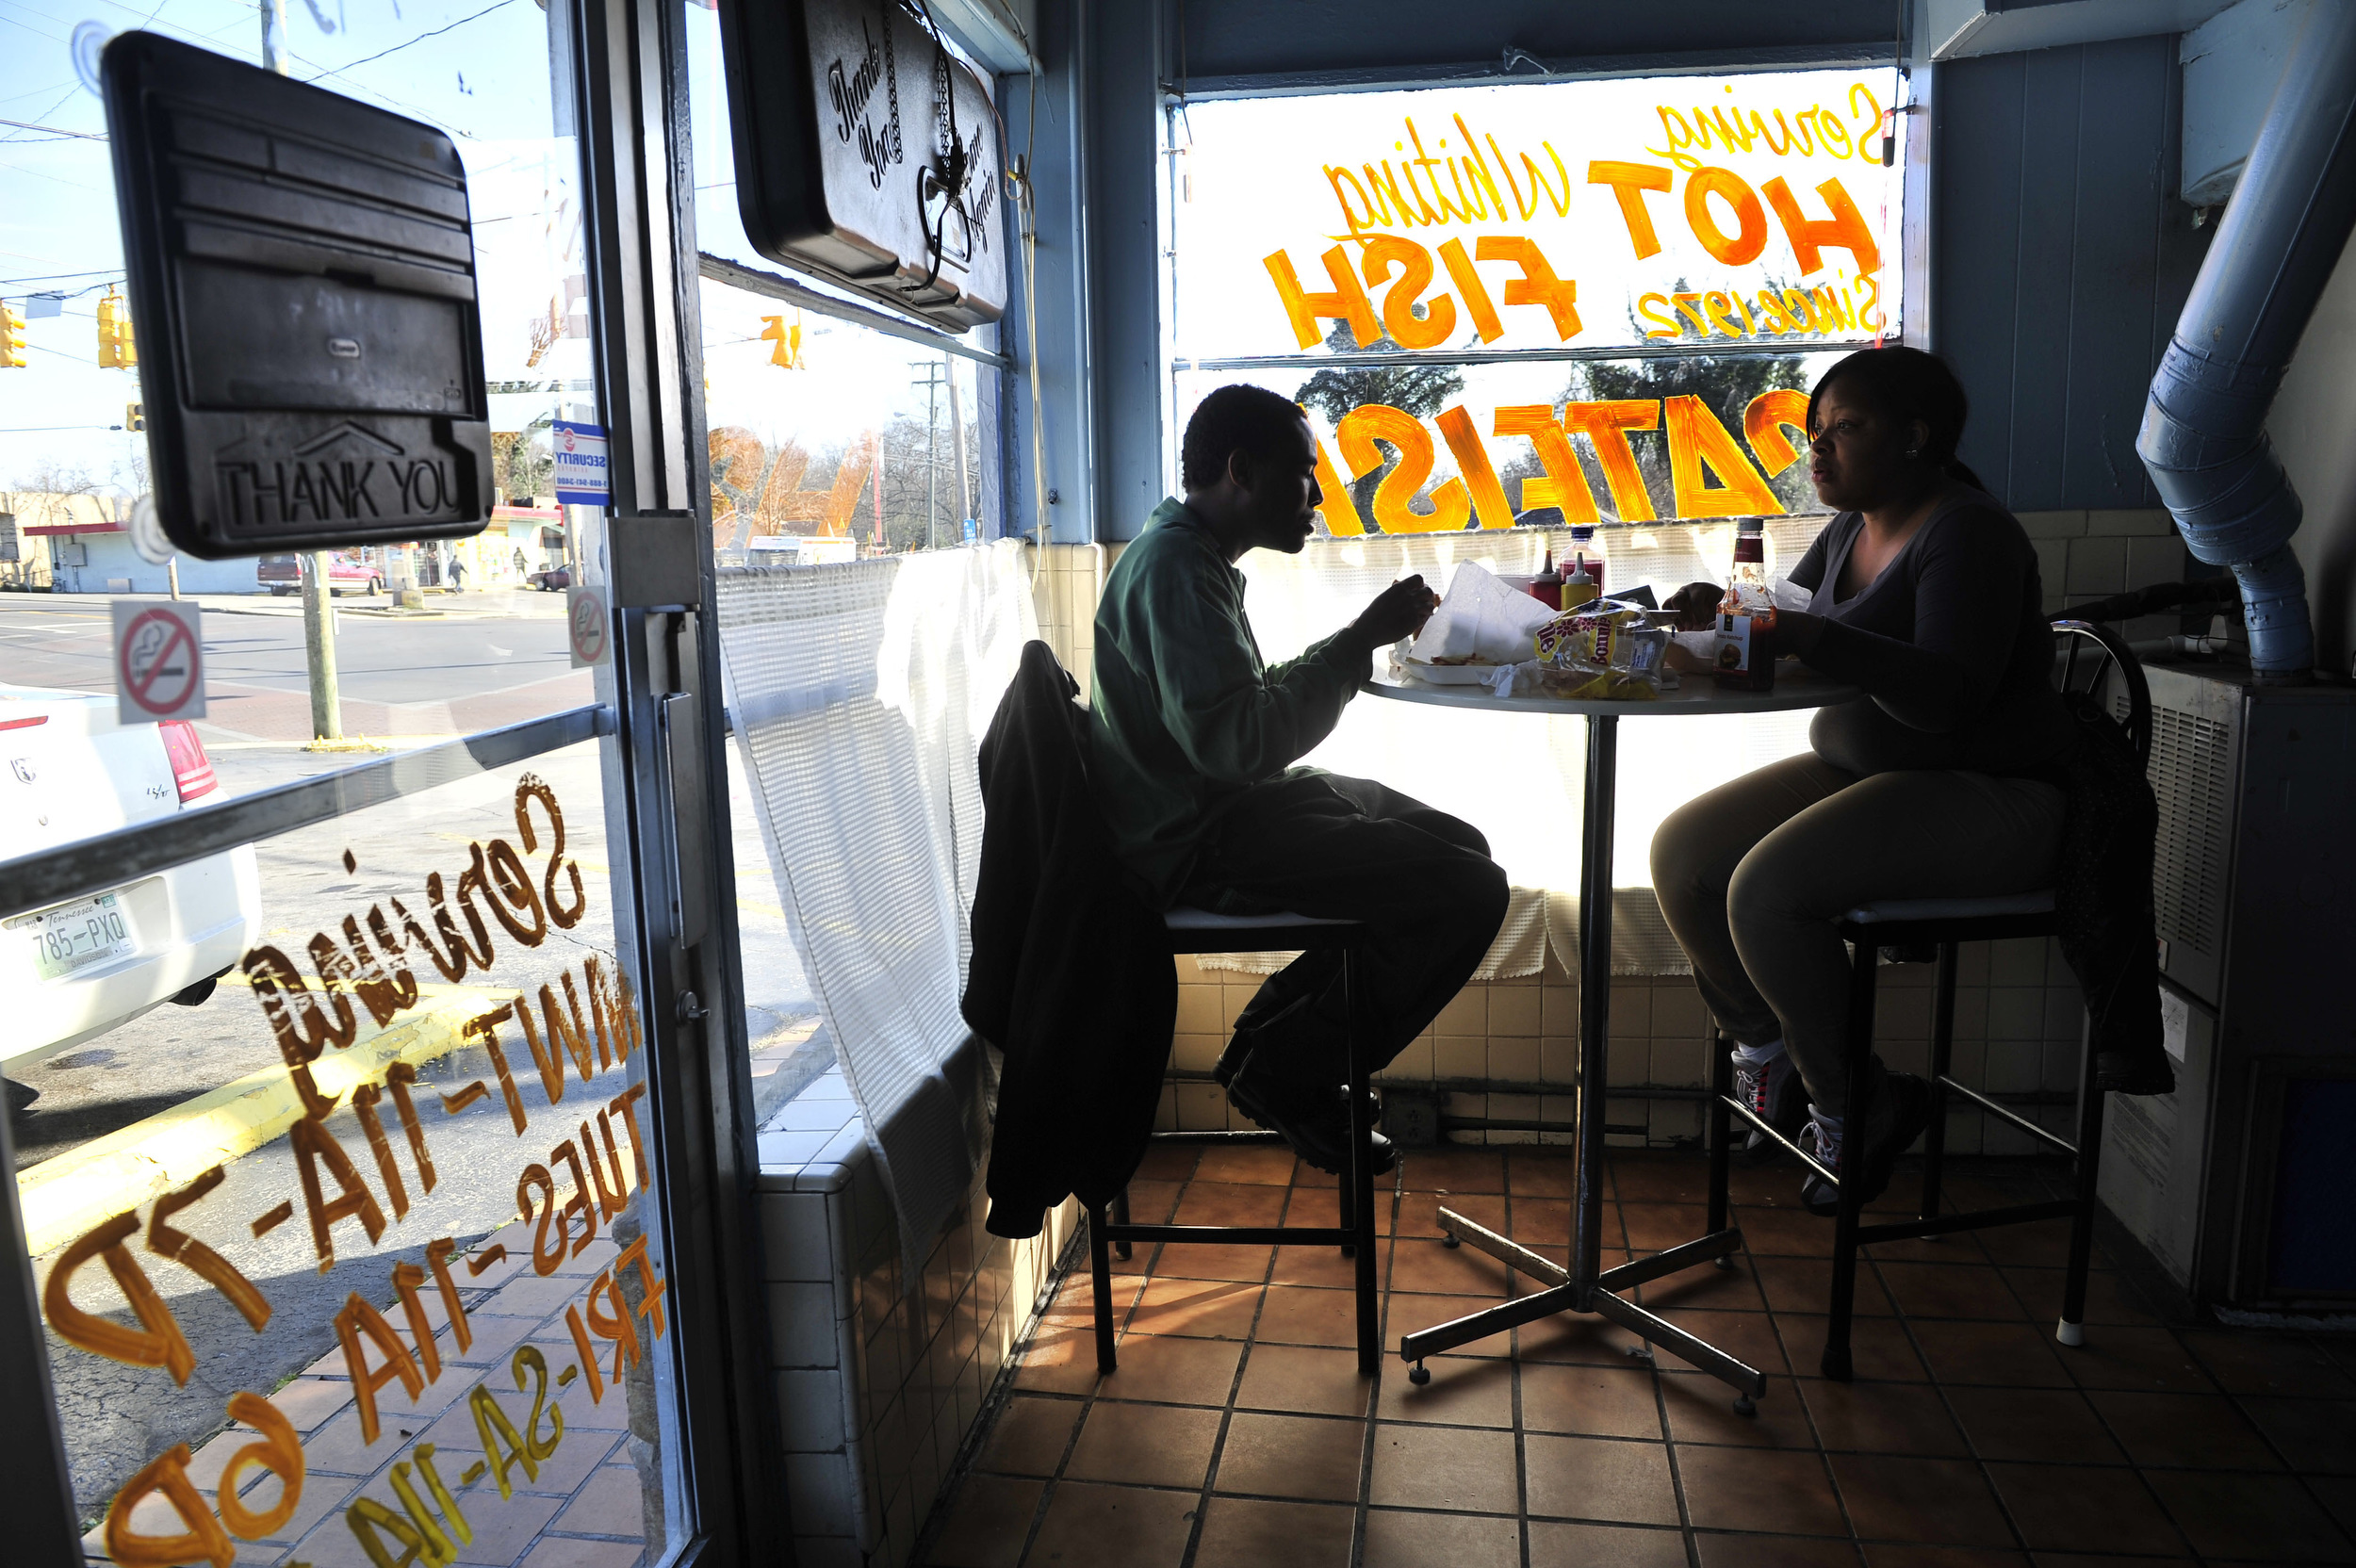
[68, 771]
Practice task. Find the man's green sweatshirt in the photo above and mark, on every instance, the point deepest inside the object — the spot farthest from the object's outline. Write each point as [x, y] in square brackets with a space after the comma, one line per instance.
[1184, 715]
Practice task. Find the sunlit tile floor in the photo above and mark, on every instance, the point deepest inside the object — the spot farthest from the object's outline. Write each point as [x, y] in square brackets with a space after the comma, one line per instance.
[1238, 1431]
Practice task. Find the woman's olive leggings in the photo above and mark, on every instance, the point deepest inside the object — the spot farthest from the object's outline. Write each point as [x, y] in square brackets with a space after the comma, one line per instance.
[1752, 875]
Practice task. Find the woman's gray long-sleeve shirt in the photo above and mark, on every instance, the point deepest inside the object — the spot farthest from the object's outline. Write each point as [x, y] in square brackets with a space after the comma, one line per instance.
[1950, 644]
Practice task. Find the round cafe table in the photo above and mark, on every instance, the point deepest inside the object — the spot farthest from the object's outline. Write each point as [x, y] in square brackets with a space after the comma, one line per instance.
[1586, 1285]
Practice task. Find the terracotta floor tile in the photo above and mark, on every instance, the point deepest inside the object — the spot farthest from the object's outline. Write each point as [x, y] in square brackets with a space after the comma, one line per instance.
[2110, 1297]
[1301, 1381]
[1576, 1337]
[2317, 1435]
[504, 1529]
[1950, 1290]
[557, 1552]
[1463, 1468]
[1599, 1478]
[1031, 1436]
[1536, 1174]
[2072, 1509]
[1748, 1336]
[1316, 1458]
[1779, 1492]
[988, 1523]
[1657, 1227]
[2015, 1355]
[1418, 1213]
[1202, 1309]
[1151, 1202]
[1884, 1554]
[1169, 1371]
[2034, 1425]
[1936, 1501]
[1294, 1315]
[1395, 1540]
[1230, 1204]
[1113, 1527]
[1323, 1206]
[1659, 1178]
[1144, 1445]
[2147, 1359]
[1882, 1418]
[1215, 1261]
[2244, 1362]
[1269, 1163]
[1701, 1410]
[1434, 1268]
[1169, 1161]
[2042, 1243]
[1058, 1361]
[1240, 1532]
[1464, 1391]
[2184, 1431]
[1407, 1314]
[1541, 1221]
[1780, 1232]
[1721, 1289]
[1325, 1268]
[1458, 1167]
[2268, 1517]
[1879, 1348]
[1773, 1551]
[1590, 1401]
[1554, 1544]
[1805, 1285]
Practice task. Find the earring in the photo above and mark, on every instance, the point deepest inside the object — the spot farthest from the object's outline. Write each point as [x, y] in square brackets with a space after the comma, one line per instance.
[1913, 454]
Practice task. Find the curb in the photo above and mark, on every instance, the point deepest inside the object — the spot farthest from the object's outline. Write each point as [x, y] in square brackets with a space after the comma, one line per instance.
[63, 1197]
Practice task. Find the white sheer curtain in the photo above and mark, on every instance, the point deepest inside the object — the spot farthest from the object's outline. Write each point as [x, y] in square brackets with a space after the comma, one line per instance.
[860, 692]
[1519, 778]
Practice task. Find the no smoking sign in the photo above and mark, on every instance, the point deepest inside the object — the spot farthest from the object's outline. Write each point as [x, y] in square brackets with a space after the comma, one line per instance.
[589, 626]
[159, 662]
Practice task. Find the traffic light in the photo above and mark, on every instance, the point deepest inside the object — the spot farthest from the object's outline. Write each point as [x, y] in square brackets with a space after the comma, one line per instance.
[11, 338]
[135, 417]
[788, 340]
[117, 347]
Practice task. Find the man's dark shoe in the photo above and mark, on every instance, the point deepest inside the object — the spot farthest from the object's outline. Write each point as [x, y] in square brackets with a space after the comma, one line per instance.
[1317, 1125]
[1897, 1108]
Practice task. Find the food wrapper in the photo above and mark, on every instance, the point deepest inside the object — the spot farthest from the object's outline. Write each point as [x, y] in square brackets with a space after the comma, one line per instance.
[1480, 620]
[1594, 635]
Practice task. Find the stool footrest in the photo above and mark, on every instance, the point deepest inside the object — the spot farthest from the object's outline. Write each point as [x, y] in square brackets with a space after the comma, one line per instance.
[1996, 1108]
[1241, 1236]
[1780, 1141]
[1978, 1219]
[1675, 1261]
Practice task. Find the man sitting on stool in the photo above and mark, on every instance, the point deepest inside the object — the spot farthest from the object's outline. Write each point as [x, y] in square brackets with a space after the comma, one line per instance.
[1193, 741]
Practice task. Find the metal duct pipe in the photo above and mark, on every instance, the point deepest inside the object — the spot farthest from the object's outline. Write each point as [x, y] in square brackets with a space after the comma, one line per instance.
[2203, 435]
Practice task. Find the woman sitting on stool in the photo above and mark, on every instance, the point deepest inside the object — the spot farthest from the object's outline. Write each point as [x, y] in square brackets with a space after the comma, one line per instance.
[1941, 782]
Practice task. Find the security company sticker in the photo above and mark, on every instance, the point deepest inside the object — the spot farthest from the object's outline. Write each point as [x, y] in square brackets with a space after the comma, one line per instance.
[580, 471]
[588, 626]
[159, 662]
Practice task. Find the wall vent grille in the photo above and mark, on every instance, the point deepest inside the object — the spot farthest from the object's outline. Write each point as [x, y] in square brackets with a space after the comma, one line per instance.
[2192, 775]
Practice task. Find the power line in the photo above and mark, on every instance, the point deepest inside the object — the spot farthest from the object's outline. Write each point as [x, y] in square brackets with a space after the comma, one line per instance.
[397, 48]
[56, 130]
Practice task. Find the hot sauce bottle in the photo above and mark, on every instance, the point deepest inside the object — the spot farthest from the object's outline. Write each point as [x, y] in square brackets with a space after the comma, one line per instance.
[1547, 587]
[1746, 615]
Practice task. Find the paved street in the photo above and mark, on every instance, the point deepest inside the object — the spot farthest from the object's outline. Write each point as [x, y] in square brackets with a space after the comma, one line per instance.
[421, 679]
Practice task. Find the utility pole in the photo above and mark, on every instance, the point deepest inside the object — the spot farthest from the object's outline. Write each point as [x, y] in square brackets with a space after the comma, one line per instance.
[957, 434]
[933, 376]
[319, 612]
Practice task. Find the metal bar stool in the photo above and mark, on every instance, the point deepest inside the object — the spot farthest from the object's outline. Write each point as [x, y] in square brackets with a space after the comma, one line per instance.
[1200, 931]
[1946, 923]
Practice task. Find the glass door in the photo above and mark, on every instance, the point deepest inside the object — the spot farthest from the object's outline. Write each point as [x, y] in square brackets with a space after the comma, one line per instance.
[372, 1043]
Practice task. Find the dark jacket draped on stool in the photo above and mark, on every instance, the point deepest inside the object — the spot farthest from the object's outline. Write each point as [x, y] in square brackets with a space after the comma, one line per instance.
[1072, 978]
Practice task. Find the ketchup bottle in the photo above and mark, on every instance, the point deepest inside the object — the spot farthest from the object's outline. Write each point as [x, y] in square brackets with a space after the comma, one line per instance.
[1547, 587]
[1746, 616]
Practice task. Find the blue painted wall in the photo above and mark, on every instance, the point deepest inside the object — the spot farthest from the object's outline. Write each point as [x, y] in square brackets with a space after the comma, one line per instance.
[2061, 259]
